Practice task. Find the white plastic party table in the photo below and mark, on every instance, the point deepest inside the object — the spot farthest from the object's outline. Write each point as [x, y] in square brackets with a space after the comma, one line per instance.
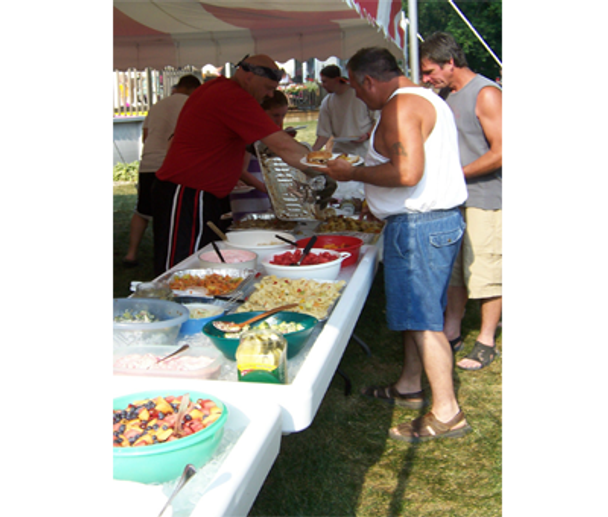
[262, 412]
[300, 399]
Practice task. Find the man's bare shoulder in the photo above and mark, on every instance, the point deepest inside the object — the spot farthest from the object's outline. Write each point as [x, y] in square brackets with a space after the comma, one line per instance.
[489, 94]
[489, 102]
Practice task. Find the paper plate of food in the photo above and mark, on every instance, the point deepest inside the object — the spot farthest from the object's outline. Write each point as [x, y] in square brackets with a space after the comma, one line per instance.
[242, 189]
[320, 158]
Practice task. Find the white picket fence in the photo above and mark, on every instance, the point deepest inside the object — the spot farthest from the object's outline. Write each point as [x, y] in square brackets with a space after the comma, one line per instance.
[135, 91]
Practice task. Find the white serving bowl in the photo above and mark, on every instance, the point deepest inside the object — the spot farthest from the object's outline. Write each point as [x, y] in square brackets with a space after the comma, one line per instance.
[194, 325]
[262, 242]
[325, 271]
[239, 259]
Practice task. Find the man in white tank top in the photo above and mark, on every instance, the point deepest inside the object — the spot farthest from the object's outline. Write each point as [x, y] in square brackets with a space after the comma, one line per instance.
[414, 181]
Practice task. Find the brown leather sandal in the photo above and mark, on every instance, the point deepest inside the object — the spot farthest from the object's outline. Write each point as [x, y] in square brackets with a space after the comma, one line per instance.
[390, 395]
[427, 427]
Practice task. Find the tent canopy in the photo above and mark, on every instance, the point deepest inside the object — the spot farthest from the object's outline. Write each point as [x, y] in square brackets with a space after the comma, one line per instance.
[151, 34]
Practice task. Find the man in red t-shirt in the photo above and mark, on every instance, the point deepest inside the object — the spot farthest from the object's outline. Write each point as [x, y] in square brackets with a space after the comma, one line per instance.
[205, 158]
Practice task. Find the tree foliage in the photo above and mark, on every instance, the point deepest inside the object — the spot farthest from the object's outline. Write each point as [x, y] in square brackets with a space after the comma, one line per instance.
[485, 16]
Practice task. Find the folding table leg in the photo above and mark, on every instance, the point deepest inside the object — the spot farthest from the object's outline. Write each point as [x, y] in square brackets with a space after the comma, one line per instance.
[363, 344]
[347, 383]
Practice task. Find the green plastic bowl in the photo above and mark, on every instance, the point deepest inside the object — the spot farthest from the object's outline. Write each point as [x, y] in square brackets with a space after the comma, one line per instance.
[163, 462]
[295, 340]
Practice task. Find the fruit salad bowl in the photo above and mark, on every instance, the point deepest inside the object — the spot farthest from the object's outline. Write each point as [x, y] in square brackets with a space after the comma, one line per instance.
[162, 462]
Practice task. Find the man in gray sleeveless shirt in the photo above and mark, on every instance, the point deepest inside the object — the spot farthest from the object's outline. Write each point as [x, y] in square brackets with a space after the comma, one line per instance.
[477, 106]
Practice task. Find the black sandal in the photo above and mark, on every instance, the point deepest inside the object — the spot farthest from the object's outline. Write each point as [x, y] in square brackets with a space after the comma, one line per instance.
[457, 343]
[390, 395]
[481, 353]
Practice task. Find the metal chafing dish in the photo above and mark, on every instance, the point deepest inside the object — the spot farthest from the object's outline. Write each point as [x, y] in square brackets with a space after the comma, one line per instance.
[262, 221]
[291, 195]
[244, 274]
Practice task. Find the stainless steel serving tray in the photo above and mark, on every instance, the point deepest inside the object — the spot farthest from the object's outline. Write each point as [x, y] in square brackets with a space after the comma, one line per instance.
[265, 304]
[291, 201]
[331, 229]
[262, 221]
[245, 274]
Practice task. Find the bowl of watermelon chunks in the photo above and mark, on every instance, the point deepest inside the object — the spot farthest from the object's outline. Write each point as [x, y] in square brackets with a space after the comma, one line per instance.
[320, 264]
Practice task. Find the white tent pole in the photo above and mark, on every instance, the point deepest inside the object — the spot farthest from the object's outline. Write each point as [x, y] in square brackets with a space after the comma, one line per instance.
[412, 12]
[475, 32]
[404, 25]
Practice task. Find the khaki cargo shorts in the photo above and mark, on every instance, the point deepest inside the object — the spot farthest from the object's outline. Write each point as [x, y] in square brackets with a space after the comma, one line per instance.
[479, 263]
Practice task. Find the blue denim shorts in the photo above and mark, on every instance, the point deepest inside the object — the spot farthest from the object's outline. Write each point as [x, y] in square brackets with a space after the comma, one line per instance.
[419, 253]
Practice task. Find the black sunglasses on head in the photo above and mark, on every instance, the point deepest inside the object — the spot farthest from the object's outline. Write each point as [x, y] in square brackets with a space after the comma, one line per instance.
[263, 71]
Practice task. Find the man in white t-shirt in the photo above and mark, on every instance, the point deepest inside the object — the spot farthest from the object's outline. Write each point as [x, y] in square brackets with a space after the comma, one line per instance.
[345, 118]
[157, 131]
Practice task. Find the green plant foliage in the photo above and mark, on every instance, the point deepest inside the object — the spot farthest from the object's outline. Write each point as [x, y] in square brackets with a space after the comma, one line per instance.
[485, 16]
[126, 171]
[310, 86]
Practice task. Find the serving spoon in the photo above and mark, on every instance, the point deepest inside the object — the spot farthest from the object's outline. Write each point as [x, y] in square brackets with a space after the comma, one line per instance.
[188, 472]
[306, 251]
[217, 231]
[217, 250]
[288, 241]
[168, 356]
[230, 326]
[183, 407]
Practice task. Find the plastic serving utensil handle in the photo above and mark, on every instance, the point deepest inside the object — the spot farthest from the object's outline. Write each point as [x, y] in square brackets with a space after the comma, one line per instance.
[229, 326]
[178, 351]
[288, 241]
[218, 232]
[183, 407]
[307, 249]
[217, 250]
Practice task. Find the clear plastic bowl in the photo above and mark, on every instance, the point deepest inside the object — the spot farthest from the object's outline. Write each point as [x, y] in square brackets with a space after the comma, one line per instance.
[239, 259]
[208, 358]
[169, 317]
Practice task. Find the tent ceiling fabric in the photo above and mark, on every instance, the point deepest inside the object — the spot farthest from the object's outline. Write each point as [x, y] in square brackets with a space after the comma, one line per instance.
[151, 34]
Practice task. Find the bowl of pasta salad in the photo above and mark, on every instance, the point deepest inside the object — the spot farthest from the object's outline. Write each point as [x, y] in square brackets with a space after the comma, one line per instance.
[296, 328]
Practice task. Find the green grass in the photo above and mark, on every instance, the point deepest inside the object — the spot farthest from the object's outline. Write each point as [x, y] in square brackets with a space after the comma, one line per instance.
[344, 464]
[125, 197]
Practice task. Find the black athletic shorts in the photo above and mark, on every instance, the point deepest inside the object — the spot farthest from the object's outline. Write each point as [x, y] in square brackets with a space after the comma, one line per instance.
[180, 216]
[144, 194]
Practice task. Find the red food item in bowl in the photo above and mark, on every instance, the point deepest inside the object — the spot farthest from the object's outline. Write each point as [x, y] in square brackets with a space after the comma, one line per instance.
[343, 243]
[291, 257]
